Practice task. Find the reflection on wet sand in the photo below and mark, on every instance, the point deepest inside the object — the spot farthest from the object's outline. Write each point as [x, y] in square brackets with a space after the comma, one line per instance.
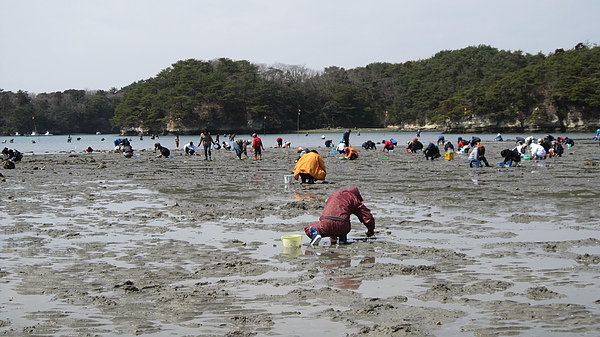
[339, 262]
[305, 197]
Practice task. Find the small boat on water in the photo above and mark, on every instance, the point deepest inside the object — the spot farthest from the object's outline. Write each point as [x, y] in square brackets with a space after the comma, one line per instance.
[47, 133]
[34, 133]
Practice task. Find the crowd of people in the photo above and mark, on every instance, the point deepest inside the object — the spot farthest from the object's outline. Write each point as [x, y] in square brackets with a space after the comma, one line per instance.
[529, 148]
[525, 148]
[311, 167]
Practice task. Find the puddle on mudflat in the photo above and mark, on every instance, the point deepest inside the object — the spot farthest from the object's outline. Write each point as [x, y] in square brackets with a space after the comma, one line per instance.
[24, 310]
[502, 249]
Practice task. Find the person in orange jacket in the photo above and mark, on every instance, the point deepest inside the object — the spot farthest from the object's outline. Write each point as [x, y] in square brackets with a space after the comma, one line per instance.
[310, 167]
[350, 153]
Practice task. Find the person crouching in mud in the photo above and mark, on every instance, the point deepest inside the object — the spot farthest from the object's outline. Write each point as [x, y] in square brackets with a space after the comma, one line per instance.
[163, 151]
[310, 166]
[335, 219]
[350, 153]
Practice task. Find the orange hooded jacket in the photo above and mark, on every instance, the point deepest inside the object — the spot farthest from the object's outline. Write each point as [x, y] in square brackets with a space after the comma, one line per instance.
[310, 163]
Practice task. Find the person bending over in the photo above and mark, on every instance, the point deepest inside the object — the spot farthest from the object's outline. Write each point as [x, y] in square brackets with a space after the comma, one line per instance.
[350, 153]
[431, 151]
[387, 145]
[511, 157]
[335, 218]
[310, 167]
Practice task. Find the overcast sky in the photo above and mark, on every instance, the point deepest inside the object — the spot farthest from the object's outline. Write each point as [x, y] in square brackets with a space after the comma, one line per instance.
[55, 45]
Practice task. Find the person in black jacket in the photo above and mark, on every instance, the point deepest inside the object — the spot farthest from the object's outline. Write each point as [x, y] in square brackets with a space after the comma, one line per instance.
[431, 151]
[164, 152]
[557, 149]
[12, 155]
[511, 157]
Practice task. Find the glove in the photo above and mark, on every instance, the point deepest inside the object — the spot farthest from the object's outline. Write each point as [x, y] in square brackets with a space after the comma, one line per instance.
[370, 233]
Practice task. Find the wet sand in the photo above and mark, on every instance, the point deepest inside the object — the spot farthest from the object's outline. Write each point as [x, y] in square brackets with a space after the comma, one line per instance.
[99, 245]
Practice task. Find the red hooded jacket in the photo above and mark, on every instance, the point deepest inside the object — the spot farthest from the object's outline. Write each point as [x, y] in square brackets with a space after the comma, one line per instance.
[335, 219]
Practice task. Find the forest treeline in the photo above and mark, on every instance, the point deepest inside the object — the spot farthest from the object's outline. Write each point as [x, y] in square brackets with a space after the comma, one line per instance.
[476, 88]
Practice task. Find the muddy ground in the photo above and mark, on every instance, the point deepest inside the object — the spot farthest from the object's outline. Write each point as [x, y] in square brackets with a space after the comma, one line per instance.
[99, 245]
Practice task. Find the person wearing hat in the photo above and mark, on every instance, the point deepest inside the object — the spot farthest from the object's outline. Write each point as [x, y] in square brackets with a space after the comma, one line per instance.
[414, 145]
[341, 146]
[257, 146]
[537, 150]
[557, 149]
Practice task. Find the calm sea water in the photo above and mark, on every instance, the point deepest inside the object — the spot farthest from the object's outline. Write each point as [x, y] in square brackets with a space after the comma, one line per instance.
[55, 144]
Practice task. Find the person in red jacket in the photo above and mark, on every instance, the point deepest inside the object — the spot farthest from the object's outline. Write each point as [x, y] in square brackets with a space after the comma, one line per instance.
[257, 146]
[335, 219]
[387, 145]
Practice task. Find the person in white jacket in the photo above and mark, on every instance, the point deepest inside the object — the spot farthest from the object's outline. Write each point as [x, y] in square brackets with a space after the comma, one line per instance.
[191, 149]
[477, 156]
[341, 146]
[537, 150]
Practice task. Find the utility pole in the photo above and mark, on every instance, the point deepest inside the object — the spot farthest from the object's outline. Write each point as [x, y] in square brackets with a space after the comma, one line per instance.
[386, 116]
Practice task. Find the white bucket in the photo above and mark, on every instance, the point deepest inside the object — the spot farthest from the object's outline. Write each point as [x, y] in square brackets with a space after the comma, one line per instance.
[287, 179]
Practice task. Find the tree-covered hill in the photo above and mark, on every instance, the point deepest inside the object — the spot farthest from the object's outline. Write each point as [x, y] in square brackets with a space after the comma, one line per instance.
[478, 88]
[220, 94]
[70, 111]
[413, 92]
[559, 93]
